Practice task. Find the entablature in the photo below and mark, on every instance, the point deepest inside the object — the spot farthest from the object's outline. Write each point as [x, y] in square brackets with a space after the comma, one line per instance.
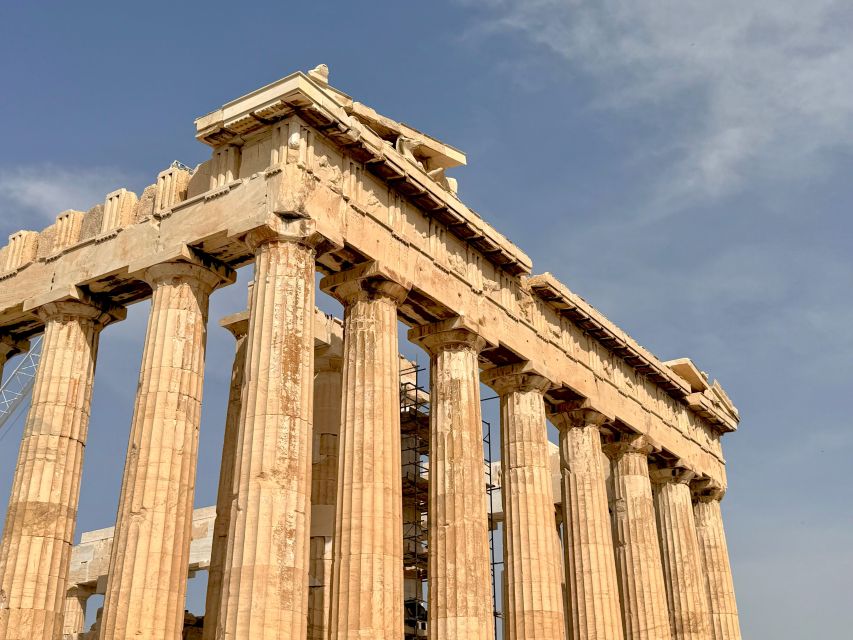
[680, 378]
[365, 216]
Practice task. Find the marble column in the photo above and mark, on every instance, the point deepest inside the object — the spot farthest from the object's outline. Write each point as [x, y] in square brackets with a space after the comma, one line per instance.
[324, 487]
[635, 537]
[36, 547]
[460, 583]
[715, 563]
[533, 598]
[682, 564]
[367, 567]
[592, 590]
[147, 579]
[238, 325]
[75, 610]
[266, 570]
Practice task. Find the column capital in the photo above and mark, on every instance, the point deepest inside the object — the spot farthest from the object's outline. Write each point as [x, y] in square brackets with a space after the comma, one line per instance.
[236, 323]
[11, 345]
[515, 377]
[275, 228]
[577, 415]
[72, 309]
[81, 591]
[185, 263]
[366, 281]
[707, 490]
[631, 443]
[74, 302]
[674, 473]
[447, 334]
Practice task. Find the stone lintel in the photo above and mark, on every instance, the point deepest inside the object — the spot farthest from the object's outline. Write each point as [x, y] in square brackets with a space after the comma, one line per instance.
[370, 278]
[328, 333]
[444, 334]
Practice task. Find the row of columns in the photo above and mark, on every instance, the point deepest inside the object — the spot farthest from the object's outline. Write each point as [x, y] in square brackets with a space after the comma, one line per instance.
[666, 576]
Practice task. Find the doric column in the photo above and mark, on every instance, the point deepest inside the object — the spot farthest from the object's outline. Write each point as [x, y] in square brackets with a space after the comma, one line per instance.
[10, 346]
[75, 610]
[635, 537]
[266, 571]
[150, 554]
[533, 598]
[367, 567]
[591, 587]
[460, 587]
[238, 325]
[715, 561]
[36, 546]
[324, 487]
[682, 565]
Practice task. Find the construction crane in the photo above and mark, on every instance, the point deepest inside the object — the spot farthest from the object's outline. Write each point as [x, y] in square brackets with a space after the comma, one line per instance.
[18, 385]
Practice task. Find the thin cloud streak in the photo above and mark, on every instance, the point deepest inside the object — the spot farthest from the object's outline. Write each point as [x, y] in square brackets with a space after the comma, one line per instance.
[762, 81]
[32, 196]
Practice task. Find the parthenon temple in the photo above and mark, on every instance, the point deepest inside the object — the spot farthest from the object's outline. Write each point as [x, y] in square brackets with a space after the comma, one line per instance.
[355, 497]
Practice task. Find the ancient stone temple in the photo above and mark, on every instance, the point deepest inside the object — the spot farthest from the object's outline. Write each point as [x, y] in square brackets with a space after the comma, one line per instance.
[613, 533]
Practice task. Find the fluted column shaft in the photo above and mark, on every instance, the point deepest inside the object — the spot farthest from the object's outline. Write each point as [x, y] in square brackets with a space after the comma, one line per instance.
[638, 561]
[533, 598]
[147, 580]
[367, 567]
[36, 548]
[592, 590]
[266, 574]
[324, 487]
[75, 610]
[238, 325]
[460, 589]
[682, 565]
[715, 563]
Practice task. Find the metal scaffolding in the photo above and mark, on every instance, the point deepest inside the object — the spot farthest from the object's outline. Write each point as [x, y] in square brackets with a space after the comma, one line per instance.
[414, 427]
[17, 387]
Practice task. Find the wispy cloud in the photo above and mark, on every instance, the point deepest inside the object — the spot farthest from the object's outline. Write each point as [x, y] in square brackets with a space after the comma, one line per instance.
[737, 91]
[32, 196]
[757, 303]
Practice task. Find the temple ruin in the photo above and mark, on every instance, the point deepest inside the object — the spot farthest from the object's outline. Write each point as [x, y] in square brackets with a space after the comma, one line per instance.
[331, 451]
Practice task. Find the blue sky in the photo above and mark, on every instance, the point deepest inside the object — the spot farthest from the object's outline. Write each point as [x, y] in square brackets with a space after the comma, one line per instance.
[682, 165]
